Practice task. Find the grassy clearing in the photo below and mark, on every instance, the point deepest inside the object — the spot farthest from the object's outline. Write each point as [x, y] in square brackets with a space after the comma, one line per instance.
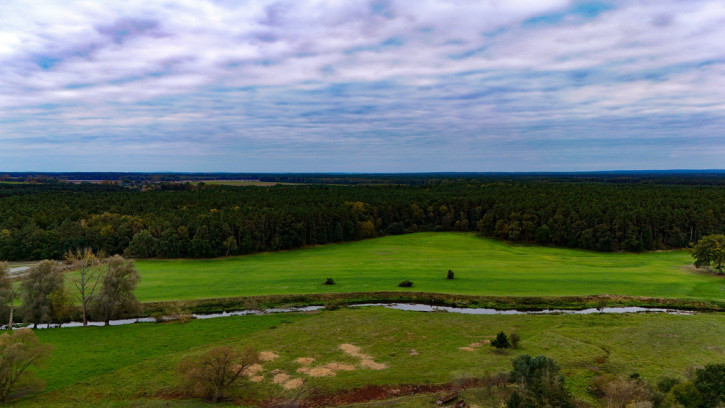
[482, 267]
[133, 365]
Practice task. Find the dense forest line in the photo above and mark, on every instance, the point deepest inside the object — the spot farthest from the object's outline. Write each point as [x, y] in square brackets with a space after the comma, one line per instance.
[39, 221]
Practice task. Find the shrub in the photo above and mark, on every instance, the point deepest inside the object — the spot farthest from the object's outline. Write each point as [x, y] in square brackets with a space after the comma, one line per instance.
[501, 341]
[450, 274]
[539, 383]
[685, 394]
[515, 338]
[19, 350]
[405, 284]
[710, 381]
[334, 305]
[665, 384]
[212, 374]
[329, 281]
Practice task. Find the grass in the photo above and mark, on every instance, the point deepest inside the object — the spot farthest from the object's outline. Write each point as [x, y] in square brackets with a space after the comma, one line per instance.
[126, 366]
[482, 267]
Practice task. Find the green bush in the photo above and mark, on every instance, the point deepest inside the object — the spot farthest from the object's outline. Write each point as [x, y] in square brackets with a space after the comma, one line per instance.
[501, 341]
[405, 284]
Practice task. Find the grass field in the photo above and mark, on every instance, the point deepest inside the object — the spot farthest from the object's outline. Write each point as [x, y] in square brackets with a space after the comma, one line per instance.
[133, 366]
[482, 267]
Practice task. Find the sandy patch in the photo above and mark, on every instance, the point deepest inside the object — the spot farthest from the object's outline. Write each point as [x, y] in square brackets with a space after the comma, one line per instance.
[475, 345]
[465, 348]
[316, 371]
[280, 378]
[293, 383]
[413, 352]
[354, 351]
[252, 370]
[486, 342]
[334, 366]
[257, 378]
[366, 362]
[305, 361]
[267, 355]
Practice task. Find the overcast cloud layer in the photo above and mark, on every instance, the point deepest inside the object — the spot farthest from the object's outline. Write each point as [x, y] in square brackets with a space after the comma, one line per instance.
[376, 86]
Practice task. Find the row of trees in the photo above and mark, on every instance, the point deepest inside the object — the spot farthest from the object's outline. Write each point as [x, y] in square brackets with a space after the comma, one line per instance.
[44, 221]
[100, 288]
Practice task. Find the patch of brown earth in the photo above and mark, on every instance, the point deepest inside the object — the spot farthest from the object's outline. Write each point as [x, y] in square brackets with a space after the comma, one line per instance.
[334, 366]
[305, 361]
[257, 378]
[475, 345]
[413, 352]
[465, 348]
[354, 351]
[293, 383]
[267, 355]
[369, 363]
[252, 370]
[280, 378]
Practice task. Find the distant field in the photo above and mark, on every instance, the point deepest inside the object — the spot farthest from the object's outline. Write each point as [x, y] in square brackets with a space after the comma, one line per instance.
[243, 183]
[482, 267]
[133, 366]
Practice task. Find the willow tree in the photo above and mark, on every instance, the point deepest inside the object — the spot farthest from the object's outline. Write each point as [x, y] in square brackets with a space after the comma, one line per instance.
[115, 299]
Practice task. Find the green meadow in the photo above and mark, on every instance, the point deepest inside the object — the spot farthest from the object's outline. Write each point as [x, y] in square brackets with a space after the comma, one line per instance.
[133, 366]
[482, 267]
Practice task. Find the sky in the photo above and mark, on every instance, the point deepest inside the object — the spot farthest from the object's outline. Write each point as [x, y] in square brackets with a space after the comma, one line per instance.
[361, 86]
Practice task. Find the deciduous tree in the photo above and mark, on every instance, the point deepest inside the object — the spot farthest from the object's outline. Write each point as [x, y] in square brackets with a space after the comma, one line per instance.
[212, 374]
[710, 250]
[43, 279]
[19, 350]
[89, 273]
[7, 295]
[115, 299]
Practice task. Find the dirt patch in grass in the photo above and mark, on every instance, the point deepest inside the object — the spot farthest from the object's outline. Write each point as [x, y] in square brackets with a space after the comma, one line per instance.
[316, 371]
[280, 378]
[305, 361]
[353, 350]
[293, 383]
[369, 363]
[335, 366]
[465, 348]
[252, 370]
[475, 345]
[267, 355]
[257, 378]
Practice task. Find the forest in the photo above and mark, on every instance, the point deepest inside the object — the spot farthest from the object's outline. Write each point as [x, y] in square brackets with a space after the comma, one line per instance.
[44, 220]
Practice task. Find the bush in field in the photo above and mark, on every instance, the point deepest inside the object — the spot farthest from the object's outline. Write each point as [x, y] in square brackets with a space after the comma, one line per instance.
[405, 284]
[329, 281]
[684, 395]
[501, 341]
[538, 384]
[450, 275]
[19, 350]
[621, 393]
[515, 338]
[214, 373]
[665, 384]
[710, 381]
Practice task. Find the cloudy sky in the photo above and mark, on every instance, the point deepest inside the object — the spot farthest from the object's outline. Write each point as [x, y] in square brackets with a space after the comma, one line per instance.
[361, 86]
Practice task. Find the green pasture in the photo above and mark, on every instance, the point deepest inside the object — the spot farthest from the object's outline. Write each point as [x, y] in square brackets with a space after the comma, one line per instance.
[133, 366]
[482, 267]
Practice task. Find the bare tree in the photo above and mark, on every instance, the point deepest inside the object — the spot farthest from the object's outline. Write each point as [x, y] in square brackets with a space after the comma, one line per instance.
[19, 350]
[42, 280]
[115, 298]
[7, 294]
[213, 373]
[89, 273]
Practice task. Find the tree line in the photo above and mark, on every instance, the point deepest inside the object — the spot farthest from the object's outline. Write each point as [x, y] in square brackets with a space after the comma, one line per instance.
[99, 288]
[39, 221]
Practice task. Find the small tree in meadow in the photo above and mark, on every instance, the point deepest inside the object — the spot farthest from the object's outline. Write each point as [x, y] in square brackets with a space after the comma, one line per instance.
[20, 350]
[211, 375]
[501, 341]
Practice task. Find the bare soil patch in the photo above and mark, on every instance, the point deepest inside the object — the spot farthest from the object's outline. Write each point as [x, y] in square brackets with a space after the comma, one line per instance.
[369, 363]
[252, 370]
[280, 378]
[293, 383]
[267, 355]
[305, 361]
